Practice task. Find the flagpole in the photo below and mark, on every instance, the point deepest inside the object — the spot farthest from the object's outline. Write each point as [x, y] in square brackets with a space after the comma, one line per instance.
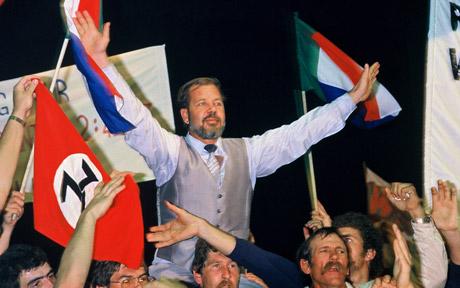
[311, 182]
[53, 83]
[301, 101]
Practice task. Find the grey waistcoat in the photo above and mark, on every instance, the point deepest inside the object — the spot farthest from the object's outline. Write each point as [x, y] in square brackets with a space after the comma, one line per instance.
[195, 189]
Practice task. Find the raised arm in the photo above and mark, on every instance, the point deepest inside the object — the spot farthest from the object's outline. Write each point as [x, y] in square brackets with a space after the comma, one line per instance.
[363, 88]
[187, 225]
[445, 217]
[278, 147]
[95, 42]
[430, 247]
[76, 260]
[158, 146]
[13, 133]
[403, 260]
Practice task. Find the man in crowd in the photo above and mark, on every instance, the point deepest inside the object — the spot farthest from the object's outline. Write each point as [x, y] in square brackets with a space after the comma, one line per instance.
[115, 274]
[226, 168]
[364, 243]
[24, 266]
[212, 269]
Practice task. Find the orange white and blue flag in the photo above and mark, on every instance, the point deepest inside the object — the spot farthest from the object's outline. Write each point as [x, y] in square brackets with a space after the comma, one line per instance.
[102, 91]
[329, 73]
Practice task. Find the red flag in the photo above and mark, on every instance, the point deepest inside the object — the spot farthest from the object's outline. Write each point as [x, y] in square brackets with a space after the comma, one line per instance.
[66, 172]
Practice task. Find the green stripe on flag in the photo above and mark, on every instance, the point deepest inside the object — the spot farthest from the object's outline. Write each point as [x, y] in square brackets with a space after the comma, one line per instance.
[307, 57]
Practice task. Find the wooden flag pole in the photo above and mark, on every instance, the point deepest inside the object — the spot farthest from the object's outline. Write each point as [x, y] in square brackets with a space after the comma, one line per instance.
[310, 170]
[53, 83]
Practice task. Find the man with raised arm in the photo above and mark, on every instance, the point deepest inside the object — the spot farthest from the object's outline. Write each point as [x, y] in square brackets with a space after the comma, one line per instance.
[208, 175]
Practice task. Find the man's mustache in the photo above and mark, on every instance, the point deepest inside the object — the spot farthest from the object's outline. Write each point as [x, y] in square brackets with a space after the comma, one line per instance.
[211, 115]
[225, 283]
[332, 264]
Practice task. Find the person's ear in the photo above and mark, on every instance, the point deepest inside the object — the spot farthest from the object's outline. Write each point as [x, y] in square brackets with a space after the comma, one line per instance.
[198, 279]
[305, 266]
[185, 115]
[370, 255]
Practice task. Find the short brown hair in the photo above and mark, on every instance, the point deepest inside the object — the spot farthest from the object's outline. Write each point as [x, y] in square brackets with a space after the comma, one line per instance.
[183, 95]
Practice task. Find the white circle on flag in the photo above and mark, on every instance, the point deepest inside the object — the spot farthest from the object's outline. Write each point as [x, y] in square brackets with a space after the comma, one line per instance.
[74, 181]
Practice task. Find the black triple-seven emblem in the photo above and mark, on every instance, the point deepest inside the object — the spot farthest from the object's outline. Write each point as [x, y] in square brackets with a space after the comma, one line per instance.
[78, 188]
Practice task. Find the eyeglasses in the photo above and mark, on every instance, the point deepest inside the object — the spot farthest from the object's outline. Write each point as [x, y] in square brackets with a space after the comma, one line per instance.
[130, 281]
[40, 281]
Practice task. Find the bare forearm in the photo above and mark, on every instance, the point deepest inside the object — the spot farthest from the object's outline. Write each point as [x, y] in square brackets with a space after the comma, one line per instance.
[416, 212]
[217, 238]
[10, 146]
[5, 238]
[453, 243]
[76, 260]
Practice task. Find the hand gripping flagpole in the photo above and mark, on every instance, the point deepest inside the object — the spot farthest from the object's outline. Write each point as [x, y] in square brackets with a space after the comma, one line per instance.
[310, 170]
[29, 166]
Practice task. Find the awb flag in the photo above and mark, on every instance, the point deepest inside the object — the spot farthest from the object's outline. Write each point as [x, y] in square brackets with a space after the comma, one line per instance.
[329, 72]
[102, 90]
[66, 172]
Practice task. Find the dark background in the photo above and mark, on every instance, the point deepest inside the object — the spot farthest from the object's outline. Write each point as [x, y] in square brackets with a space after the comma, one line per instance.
[248, 46]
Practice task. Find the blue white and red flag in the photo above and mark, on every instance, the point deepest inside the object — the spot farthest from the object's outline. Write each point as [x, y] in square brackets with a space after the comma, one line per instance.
[102, 91]
[329, 73]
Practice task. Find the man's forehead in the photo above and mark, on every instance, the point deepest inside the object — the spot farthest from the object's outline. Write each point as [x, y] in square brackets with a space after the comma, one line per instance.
[37, 272]
[350, 232]
[331, 240]
[201, 91]
[125, 271]
[214, 257]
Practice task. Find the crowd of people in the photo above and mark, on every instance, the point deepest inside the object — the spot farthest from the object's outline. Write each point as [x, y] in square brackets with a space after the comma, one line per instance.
[204, 187]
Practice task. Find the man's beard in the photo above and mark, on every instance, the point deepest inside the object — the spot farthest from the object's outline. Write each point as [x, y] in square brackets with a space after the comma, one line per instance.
[210, 133]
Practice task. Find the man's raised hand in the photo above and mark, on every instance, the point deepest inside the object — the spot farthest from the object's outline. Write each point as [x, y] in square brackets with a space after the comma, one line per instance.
[95, 42]
[363, 88]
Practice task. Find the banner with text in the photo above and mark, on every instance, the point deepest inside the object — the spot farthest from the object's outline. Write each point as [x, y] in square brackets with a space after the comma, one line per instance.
[146, 72]
[442, 89]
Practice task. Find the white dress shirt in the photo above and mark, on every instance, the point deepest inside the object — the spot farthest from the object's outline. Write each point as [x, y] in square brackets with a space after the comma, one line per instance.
[266, 152]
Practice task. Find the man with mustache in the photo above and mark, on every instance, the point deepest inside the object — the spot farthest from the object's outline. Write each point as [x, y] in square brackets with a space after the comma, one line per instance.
[364, 243]
[324, 256]
[208, 175]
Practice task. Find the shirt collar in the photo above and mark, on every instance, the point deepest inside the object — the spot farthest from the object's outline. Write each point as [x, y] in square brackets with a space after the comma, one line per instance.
[198, 146]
